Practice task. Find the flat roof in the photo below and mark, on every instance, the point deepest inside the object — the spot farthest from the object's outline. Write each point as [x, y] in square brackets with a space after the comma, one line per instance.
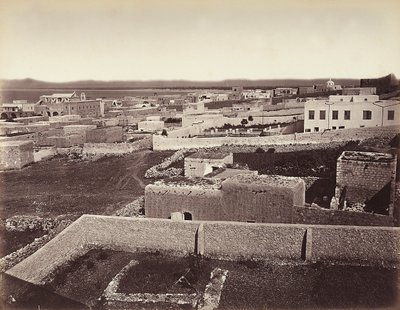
[271, 180]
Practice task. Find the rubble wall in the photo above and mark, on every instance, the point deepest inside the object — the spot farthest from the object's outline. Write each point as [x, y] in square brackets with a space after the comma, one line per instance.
[305, 215]
[167, 143]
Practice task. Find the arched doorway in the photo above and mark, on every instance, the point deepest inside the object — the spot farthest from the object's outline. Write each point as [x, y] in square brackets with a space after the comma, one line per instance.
[48, 114]
[13, 115]
[4, 116]
[55, 113]
[187, 216]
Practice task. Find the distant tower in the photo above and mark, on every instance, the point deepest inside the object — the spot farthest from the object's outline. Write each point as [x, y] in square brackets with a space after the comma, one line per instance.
[330, 84]
[83, 96]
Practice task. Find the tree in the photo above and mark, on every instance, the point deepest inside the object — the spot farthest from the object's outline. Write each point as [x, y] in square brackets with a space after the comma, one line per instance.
[164, 133]
[250, 118]
[244, 122]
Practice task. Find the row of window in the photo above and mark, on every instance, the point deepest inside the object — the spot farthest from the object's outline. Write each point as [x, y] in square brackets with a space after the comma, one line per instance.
[367, 114]
[81, 108]
[316, 129]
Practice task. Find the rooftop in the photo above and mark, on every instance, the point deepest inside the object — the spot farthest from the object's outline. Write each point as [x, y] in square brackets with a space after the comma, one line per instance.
[268, 180]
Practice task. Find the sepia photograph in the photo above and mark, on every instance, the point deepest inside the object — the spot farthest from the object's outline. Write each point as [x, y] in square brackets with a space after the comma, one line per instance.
[199, 154]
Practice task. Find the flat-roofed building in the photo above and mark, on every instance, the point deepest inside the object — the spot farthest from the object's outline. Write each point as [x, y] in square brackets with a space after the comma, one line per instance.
[341, 112]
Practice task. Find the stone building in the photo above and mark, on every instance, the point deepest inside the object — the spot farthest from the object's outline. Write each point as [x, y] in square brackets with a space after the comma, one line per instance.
[244, 198]
[202, 163]
[15, 154]
[340, 112]
[368, 179]
[71, 104]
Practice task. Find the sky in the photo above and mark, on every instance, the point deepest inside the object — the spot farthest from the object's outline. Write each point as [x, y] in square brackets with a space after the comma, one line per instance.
[198, 40]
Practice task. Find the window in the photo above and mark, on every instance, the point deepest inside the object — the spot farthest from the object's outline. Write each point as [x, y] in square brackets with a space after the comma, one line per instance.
[390, 115]
[316, 129]
[347, 115]
[311, 114]
[341, 127]
[333, 127]
[365, 99]
[307, 130]
[367, 114]
[335, 114]
[322, 114]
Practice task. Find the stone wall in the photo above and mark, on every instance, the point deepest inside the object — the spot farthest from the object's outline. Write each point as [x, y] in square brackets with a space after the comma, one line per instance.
[246, 197]
[104, 135]
[115, 148]
[65, 141]
[364, 177]
[15, 154]
[221, 240]
[305, 215]
[382, 133]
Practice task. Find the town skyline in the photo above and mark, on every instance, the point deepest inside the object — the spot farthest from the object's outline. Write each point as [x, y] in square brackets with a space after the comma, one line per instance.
[198, 41]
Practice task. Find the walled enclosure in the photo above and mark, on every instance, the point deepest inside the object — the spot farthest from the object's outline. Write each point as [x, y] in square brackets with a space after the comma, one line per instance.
[221, 240]
[15, 154]
[104, 135]
[200, 164]
[171, 143]
[245, 197]
[365, 174]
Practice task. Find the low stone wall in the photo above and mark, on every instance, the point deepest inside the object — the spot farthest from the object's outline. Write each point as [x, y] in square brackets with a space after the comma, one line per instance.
[221, 240]
[305, 215]
[166, 143]
[115, 148]
[359, 245]
[253, 241]
[44, 153]
[65, 141]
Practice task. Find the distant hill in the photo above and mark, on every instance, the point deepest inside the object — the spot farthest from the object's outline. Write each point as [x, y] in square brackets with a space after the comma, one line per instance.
[91, 84]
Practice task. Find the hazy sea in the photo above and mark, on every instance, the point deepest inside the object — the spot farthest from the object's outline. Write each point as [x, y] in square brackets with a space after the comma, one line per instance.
[32, 95]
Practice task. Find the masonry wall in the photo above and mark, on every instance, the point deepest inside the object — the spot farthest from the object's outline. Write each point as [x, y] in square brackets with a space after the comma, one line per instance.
[104, 135]
[305, 215]
[364, 179]
[15, 154]
[115, 148]
[167, 143]
[203, 204]
[65, 141]
[222, 240]
[233, 202]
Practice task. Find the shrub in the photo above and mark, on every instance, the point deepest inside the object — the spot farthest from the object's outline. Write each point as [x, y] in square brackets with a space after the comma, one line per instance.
[259, 150]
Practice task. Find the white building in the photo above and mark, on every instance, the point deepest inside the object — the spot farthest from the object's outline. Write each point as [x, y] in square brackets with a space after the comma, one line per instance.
[257, 94]
[200, 164]
[341, 112]
[150, 125]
